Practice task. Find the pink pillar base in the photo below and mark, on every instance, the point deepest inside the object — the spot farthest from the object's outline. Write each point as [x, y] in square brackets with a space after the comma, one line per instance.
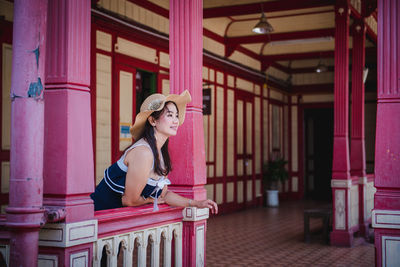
[386, 251]
[68, 182]
[357, 157]
[341, 238]
[341, 163]
[81, 255]
[190, 243]
[77, 208]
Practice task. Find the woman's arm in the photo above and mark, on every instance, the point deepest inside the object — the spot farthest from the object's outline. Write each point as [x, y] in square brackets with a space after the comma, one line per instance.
[139, 162]
[174, 199]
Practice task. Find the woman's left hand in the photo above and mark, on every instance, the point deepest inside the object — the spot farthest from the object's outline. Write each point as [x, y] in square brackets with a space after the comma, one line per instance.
[208, 203]
[160, 200]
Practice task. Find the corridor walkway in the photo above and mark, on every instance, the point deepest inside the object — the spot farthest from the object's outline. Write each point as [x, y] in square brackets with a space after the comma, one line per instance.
[274, 237]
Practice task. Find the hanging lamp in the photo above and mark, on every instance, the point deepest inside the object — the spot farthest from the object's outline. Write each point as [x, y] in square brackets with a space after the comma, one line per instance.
[321, 67]
[263, 25]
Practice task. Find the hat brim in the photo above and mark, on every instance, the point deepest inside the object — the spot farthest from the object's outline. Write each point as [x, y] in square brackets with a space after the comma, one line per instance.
[141, 118]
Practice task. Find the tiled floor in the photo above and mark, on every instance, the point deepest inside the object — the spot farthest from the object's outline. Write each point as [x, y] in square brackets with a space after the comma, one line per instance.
[274, 237]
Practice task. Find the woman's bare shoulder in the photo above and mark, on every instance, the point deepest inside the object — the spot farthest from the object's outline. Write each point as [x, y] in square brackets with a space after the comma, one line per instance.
[139, 155]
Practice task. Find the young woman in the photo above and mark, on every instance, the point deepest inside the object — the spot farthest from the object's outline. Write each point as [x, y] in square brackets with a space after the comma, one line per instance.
[140, 175]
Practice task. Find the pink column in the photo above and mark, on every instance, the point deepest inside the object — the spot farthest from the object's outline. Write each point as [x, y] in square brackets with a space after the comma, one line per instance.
[187, 149]
[357, 156]
[25, 213]
[387, 147]
[68, 152]
[341, 181]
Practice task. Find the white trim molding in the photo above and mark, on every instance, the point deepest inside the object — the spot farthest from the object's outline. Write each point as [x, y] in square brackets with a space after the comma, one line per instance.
[336, 183]
[200, 245]
[68, 234]
[340, 211]
[47, 260]
[390, 250]
[79, 259]
[386, 219]
[192, 214]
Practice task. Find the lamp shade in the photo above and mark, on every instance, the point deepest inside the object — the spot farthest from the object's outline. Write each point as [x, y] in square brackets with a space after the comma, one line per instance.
[263, 26]
[321, 67]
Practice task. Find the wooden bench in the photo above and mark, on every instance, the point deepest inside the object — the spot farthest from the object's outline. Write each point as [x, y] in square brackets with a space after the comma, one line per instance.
[325, 215]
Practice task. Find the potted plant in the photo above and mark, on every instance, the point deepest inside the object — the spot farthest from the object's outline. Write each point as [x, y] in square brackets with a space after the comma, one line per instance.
[274, 171]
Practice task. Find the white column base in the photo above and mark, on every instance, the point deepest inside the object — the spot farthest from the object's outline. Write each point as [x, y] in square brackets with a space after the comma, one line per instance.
[68, 234]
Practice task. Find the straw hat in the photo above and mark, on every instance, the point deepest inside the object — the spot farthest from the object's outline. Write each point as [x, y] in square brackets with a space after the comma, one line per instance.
[156, 102]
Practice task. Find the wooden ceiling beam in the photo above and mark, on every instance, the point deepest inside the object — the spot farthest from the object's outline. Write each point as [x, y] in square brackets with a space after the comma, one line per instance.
[270, 6]
[310, 55]
[326, 88]
[312, 88]
[298, 56]
[152, 7]
[284, 36]
[281, 67]
[308, 70]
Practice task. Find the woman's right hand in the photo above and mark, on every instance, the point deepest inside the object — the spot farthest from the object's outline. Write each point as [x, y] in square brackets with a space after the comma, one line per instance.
[207, 203]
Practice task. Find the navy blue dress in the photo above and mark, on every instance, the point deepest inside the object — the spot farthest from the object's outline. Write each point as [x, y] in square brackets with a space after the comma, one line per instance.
[108, 193]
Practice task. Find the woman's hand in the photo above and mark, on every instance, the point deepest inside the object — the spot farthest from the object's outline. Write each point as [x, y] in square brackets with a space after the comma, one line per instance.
[160, 200]
[174, 199]
[208, 203]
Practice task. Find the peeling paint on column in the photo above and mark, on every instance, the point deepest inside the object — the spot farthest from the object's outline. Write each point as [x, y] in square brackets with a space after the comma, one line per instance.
[35, 88]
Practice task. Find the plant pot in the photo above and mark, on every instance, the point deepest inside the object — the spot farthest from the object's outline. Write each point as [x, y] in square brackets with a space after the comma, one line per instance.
[272, 198]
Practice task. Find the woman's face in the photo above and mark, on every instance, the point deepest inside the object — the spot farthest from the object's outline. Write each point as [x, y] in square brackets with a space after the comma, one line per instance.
[168, 122]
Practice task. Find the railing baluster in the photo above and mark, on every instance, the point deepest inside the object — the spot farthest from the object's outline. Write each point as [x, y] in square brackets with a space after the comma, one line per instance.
[167, 246]
[109, 251]
[130, 242]
[155, 248]
[113, 258]
[142, 249]
[178, 246]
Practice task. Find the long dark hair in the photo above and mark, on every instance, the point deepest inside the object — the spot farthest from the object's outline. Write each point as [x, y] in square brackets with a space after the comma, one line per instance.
[148, 135]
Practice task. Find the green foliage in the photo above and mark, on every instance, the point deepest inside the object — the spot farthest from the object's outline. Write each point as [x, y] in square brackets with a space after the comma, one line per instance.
[274, 171]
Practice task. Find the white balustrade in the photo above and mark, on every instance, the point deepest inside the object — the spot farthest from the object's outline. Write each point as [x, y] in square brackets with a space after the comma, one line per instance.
[125, 244]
